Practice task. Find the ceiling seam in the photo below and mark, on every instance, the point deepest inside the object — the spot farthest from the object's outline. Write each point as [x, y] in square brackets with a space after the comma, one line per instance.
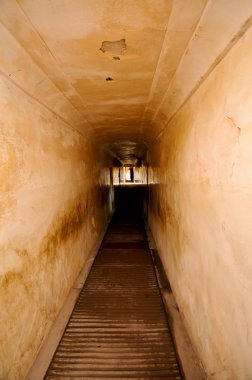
[54, 58]
[245, 27]
[68, 125]
[154, 75]
[204, 11]
[24, 90]
[158, 64]
[20, 44]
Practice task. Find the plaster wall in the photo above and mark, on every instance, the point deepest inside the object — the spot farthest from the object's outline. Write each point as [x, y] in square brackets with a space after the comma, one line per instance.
[55, 200]
[200, 212]
[182, 88]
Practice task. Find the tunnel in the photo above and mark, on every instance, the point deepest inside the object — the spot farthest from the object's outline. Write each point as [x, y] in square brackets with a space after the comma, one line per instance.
[126, 185]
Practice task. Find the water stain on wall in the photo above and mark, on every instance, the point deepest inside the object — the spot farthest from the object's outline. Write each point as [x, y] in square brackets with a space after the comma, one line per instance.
[8, 278]
[66, 225]
[19, 288]
[8, 167]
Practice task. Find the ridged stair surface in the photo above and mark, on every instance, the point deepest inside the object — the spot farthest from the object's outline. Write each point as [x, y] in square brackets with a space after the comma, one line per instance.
[118, 328]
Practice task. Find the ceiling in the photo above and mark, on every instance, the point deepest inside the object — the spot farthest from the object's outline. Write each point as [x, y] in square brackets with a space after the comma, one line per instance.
[107, 66]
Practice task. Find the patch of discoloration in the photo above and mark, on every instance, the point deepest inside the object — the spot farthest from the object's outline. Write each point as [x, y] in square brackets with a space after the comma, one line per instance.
[8, 164]
[114, 47]
[32, 295]
[66, 225]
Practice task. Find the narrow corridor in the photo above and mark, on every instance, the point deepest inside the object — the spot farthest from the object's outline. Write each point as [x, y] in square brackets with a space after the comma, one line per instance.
[118, 328]
[99, 98]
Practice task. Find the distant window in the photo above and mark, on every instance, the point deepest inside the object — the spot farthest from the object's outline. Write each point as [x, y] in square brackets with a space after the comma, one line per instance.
[129, 175]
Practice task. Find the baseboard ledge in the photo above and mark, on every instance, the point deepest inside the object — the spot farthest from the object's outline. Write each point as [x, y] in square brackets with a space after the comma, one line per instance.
[189, 361]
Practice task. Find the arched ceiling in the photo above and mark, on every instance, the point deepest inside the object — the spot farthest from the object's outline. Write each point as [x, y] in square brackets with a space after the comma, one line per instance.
[107, 67]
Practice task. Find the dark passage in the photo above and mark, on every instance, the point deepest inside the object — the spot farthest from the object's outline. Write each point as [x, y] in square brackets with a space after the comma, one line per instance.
[118, 328]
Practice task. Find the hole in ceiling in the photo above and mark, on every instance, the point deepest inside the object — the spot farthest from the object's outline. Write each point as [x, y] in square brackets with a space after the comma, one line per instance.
[116, 58]
[109, 79]
[115, 47]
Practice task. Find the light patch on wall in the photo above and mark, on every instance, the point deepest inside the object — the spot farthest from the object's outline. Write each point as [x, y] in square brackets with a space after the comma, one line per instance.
[114, 47]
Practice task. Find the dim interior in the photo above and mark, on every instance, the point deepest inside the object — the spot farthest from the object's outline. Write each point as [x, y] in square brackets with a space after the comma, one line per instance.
[98, 97]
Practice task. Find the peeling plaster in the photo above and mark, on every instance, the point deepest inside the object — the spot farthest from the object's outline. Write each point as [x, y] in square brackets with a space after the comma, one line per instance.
[114, 47]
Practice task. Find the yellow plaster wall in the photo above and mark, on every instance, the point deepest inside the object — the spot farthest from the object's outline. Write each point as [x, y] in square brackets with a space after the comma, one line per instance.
[185, 77]
[54, 197]
[200, 212]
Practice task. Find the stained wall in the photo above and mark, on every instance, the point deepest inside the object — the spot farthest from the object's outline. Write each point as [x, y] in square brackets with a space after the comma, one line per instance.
[182, 88]
[55, 198]
[200, 209]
